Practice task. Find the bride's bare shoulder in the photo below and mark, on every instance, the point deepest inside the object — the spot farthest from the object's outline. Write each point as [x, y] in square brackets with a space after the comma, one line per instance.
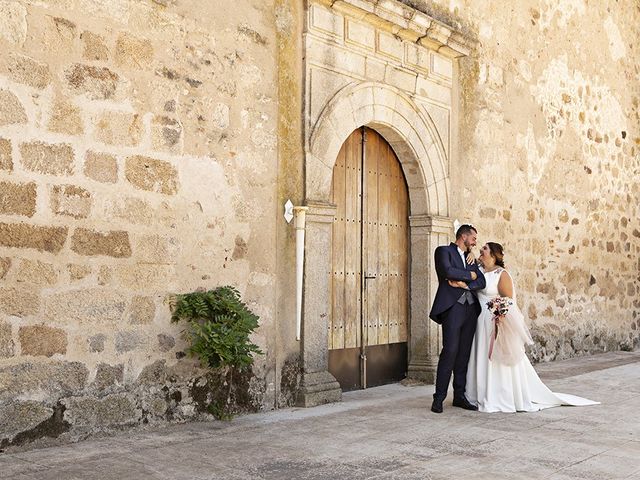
[505, 276]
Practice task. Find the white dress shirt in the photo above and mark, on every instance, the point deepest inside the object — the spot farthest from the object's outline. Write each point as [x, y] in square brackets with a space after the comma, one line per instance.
[464, 260]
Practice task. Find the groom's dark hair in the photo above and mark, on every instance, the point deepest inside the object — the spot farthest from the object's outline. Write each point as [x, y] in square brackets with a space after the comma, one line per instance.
[465, 229]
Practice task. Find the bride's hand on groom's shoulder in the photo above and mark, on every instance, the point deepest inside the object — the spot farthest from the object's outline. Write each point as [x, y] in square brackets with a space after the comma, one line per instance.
[471, 258]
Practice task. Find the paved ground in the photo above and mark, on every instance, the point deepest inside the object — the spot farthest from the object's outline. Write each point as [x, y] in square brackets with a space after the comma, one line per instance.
[382, 433]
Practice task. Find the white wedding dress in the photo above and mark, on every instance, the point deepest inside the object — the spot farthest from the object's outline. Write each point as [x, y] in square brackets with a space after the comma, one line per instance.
[500, 387]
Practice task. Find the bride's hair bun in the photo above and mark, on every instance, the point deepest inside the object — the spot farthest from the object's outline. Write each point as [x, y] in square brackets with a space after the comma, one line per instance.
[497, 252]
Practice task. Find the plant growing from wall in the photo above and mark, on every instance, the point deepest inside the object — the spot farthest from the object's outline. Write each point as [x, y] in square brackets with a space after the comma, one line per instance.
[219, 325]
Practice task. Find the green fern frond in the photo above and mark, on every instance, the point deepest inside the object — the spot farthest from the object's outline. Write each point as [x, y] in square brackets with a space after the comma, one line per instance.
[220, 325]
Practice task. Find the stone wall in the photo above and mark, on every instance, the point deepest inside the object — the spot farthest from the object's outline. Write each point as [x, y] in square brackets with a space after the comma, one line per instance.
[138, 158]
[549, 160]
[147, 148]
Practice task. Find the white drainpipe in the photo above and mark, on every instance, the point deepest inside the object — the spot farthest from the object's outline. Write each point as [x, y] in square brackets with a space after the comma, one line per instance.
[299, 215]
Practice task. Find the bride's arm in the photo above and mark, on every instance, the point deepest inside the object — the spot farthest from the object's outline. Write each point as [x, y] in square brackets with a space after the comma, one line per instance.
[505, 285]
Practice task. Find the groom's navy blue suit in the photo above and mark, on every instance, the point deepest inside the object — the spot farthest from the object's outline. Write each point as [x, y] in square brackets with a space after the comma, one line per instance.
[457, 311]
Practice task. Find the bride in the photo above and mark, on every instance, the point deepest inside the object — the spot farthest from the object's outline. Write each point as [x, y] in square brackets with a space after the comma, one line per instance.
[500, 377]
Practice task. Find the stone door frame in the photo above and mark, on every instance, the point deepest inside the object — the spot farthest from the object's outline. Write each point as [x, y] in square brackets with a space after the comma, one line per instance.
[415, 140]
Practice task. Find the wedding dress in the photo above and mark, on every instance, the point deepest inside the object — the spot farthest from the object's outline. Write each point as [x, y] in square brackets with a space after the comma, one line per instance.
[507, 382]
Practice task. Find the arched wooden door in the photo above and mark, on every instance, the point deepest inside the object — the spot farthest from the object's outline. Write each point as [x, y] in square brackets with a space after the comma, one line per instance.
[370, 258]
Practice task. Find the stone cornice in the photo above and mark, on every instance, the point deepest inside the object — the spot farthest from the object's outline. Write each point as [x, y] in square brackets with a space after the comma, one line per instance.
[431, 223]
[406, 23]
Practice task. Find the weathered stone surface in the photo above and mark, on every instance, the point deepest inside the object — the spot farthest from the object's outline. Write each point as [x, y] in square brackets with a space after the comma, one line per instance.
[6, 161]
[13, 22]
[70, 200]
[143, 276]
[7, 345]
[241, 248]
[155, 249]
[42, 340]
[23, 69]
[105, 274]
[166, 342]
[98, 83]
[112, 410]
[55, 379]
[152, 174]
[142, 310]
[11, 110]
[51, 159]
[5, 265]
[94, 306]
[112, 244]
[21, 235]
[113, 11]
[156, 407]
[128, 341]
[101, 167]
[220, 116]
[36, 272]
[18, 416]
[94, 47]
[166, 134]
[18, 198]
[19, 301]
[108, 375]
[96, 343]
[140, 212]
[119, 128]
[154, 374]
[65, 118]
[78, 272]
[52, 34]
[133, 52]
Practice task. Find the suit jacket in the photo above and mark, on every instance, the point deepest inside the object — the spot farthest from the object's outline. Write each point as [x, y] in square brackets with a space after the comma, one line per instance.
[449, 266]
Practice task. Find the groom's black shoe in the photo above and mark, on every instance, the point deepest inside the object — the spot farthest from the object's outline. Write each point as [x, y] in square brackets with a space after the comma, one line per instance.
[436, 406]
[464, 403]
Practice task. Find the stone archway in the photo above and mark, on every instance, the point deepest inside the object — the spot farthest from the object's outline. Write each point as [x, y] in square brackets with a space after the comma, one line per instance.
[412, 134]
[416, 141]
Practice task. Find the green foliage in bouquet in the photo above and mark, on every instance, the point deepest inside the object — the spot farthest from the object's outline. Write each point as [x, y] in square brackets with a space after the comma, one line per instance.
[219, 326]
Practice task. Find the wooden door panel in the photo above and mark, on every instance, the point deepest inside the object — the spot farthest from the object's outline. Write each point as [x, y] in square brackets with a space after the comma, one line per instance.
[372, 229]
[385, 244]
[336, 327]
[353, 243]
[370, 238]
[345, 257]
[384, 204]
[394, 254]
[403, 249]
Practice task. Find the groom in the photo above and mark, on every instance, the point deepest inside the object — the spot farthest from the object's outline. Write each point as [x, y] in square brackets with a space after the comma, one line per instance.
[457, 310]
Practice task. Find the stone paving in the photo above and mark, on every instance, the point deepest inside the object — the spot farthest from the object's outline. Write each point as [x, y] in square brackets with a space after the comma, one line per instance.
[381, 433]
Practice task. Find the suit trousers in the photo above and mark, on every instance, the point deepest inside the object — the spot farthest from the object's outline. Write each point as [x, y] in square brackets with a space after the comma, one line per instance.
[458, 329]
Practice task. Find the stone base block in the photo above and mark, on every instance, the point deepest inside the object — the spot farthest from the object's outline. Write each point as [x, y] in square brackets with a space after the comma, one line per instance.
[317, 388]
[423, 372]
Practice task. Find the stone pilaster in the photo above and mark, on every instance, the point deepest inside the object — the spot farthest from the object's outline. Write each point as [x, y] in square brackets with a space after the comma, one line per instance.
[427, 232]
[318, 386]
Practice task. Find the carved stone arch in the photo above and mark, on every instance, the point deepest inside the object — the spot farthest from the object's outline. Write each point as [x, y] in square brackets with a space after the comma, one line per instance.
[414, 137]
[412, 134]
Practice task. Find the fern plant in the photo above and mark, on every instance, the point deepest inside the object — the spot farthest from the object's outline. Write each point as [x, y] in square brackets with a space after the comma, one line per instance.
[219, 326]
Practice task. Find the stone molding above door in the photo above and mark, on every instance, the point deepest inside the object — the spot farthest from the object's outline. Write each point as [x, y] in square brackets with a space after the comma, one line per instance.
[382, 41]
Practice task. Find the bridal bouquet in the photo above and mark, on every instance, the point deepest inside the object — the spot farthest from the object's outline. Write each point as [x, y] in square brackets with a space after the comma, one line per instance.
[499, 307]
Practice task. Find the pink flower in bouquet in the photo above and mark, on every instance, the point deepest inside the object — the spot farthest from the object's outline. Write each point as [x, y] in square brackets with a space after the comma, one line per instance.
[499, 307]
